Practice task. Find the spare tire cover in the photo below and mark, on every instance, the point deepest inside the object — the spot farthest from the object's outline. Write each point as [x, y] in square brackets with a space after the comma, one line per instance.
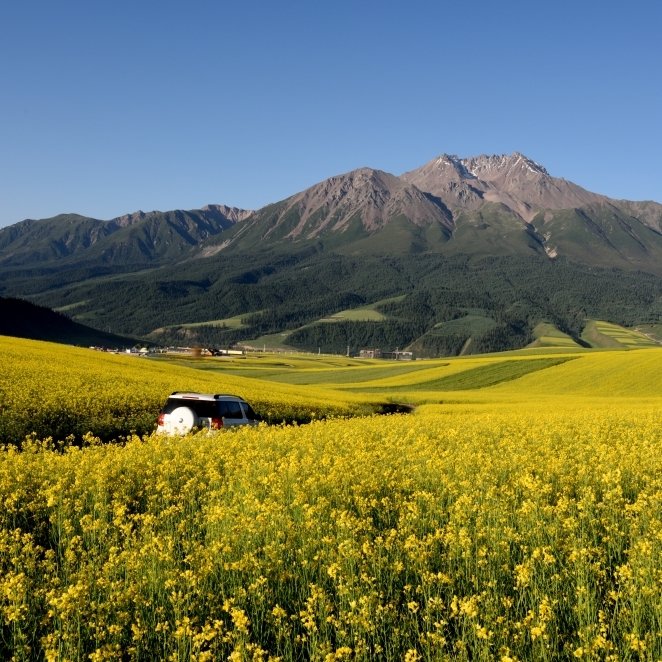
[182, 420]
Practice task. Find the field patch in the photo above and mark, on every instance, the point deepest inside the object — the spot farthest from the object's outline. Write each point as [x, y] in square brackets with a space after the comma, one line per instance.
[229, 322]
[348, 376]
[57, 391]
[471, 526]
[469, 325]
[547, 335]
[367, 313]
[612, 374]
[482, 376]
[612, 336]
[70, 306]
[271, 341]
[356, 315]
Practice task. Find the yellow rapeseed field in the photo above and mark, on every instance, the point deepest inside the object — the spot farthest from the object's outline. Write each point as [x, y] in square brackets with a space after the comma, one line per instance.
[55, 390]
[517, 521]
[443, 535]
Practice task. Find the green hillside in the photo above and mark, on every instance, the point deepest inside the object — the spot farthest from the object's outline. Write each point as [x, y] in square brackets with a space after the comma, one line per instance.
[367, 313]
[652, 331]
[497, 302]
[603, 235]
[161, 236]
[35, 242]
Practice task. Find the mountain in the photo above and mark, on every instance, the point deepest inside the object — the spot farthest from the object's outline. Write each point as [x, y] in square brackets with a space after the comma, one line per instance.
[480, 206]
[54, 238]
[134, 238]
[477, 249]
[22, 319]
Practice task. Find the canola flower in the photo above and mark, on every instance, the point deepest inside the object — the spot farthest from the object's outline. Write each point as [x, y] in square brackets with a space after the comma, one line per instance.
[451, 534]
[57, 391]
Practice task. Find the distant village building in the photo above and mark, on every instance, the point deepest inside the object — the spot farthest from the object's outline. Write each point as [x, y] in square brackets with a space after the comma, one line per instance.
[370, 354]
[398, 356]
[378, 354]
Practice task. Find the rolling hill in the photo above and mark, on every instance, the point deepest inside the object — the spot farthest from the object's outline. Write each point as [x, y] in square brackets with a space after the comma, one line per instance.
[22, 319]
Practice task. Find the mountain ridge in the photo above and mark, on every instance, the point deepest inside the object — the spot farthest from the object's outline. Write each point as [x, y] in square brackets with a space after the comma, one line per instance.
[355, 204]
[487, 204]
[139, 236]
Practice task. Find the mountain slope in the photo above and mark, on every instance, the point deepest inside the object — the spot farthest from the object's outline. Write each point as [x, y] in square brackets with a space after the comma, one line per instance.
[480, 206]
[54, 238]
[159, 236]
[601, 234]
[648, 212]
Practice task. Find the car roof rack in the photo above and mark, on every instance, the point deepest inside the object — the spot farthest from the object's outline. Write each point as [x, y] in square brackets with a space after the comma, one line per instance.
[215, 396]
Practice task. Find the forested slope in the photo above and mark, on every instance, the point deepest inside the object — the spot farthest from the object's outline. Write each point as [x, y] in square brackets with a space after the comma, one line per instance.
[293, 291]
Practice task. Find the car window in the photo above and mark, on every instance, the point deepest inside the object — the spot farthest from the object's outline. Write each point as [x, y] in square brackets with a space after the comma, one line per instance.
[250, 414]
[222, 409]
[171, 405]
[205, 408]
[233, 410]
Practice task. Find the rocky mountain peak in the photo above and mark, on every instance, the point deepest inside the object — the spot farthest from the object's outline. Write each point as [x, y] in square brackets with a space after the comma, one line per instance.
[514, 180]
[375, 195]
[447, 178]
[234, 214]
[490, 167]
[131, 219]
[363, 200]
[451, 166]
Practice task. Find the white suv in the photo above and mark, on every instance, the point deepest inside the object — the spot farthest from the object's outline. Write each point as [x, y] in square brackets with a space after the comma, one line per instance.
[185, 411]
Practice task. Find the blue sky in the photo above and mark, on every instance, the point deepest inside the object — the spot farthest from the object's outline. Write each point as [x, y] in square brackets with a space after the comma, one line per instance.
[110, 107]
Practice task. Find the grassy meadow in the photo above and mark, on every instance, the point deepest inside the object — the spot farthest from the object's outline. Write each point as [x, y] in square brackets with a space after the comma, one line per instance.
[515, 515]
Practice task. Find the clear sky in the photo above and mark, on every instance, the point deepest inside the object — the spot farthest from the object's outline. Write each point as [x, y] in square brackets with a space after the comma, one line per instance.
[109, 107]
